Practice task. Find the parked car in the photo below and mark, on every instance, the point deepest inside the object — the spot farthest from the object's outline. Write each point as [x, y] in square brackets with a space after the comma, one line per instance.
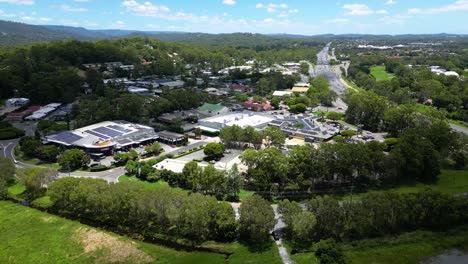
[276, 235]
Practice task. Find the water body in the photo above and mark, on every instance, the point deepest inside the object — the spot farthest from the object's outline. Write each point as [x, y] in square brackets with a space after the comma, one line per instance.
[451, 257]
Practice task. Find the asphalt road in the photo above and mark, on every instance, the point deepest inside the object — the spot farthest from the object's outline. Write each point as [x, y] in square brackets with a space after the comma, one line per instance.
[332, 73]
[460, 129]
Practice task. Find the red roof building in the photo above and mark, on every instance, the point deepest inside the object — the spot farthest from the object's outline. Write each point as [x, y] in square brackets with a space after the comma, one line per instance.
[257, 106]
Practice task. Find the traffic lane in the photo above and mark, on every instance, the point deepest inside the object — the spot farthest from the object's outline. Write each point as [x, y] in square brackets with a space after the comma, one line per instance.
[8, 148]
[460, 129]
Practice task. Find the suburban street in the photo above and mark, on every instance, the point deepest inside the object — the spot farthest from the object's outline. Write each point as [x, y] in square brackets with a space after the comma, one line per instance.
[460, 129]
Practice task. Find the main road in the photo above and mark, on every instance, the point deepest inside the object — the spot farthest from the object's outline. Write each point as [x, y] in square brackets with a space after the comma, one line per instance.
[7, 150]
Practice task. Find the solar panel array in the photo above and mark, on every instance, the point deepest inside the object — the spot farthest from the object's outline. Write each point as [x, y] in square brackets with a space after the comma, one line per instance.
[107, 131]
[99, 135]
[67, 137]
[123, 141]
[119, 128]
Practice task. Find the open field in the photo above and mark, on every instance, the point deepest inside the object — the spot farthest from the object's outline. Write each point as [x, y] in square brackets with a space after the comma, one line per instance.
[407, 248]
[380, 74]
[31, 236]
[450, 181]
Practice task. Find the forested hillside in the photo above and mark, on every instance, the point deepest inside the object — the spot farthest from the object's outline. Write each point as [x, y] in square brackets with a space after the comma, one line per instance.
[13, 33]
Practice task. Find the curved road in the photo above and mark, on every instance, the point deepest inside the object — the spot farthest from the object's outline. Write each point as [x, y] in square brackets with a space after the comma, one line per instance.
[8, 151]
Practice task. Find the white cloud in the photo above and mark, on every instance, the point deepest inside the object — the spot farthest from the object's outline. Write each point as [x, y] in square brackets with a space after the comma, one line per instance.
[229, 2]
[4, 14]
[361, 10]
[81, 1]
[271, 8]
[390, 2]
[394, 20]
[358, 9]
[144, 9]
[18, 2]
[120, 23]
[460, 5]
[72, 9]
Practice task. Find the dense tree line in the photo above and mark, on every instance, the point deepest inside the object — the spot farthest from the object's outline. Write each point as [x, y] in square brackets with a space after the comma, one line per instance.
[374, 215]
[416, 155]
[49, 72]
[413, 84]
[142, 210]
[237, 137]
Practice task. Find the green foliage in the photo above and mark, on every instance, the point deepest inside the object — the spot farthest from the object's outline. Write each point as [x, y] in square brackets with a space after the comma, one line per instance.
[334, 116]
[327, 252]
[256, 220]
[98, 168]
[73, 159]
[7, 131]
[383, 213]
[366, 109]
[154, 149]
[274, 136]
[214, 150]
[7, 176]
[130, 205]
[348, 133]
[36, 180]
[237, 137]
[320, 91]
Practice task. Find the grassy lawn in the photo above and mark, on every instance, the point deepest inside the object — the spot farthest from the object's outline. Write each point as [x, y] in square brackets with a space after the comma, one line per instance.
[32, 236]
[16, 189]
[34, 161]
[244, 194]
[450, 181]
[380, 74]
[407, 248]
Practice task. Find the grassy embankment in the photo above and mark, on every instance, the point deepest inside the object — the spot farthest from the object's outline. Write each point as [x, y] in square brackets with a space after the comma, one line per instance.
[449, 181]
[32, 236]
[380, 74]
[407, 248]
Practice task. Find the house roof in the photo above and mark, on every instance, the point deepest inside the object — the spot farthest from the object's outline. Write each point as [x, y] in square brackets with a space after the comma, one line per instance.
[300, 89]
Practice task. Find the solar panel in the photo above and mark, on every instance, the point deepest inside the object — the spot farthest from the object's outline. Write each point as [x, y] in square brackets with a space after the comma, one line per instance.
[108, 131]
[97, 134]
[67, 137]
[119, 128]
[123, 141]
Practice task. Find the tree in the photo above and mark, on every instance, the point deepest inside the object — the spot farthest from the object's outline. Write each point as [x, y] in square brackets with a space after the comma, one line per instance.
[256, 220]
[49, 153]
[73, 159]
[274, 136]
[303, 226]
[214, 150]
[153, 149]
[36, 180]
[298, 108]
[366, 109]
[266, 168]
[328, 252]
[233, 183]
[7, 176]
[207, 180]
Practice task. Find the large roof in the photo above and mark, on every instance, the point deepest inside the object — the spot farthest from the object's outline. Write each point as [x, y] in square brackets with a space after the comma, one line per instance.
[104, 134]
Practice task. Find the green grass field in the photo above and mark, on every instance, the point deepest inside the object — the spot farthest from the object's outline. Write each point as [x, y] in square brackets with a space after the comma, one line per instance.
[380, 74]
[449, 181]
[31, 236]
[407, 248]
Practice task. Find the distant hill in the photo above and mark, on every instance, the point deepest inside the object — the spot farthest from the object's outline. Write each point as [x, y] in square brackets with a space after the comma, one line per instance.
[13, 33]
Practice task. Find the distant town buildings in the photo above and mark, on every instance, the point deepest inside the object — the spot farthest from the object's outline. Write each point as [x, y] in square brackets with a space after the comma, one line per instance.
[243, 119]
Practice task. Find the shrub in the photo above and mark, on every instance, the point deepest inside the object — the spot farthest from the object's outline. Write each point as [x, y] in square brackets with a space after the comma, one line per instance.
[98, 168]
[328, 253]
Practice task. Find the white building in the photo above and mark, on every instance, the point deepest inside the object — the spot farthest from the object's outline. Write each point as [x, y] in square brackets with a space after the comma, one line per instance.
[242, 119]
[16, 102]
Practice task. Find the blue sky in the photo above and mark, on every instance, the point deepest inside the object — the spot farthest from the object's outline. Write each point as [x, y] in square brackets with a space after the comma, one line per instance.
[259, 16]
